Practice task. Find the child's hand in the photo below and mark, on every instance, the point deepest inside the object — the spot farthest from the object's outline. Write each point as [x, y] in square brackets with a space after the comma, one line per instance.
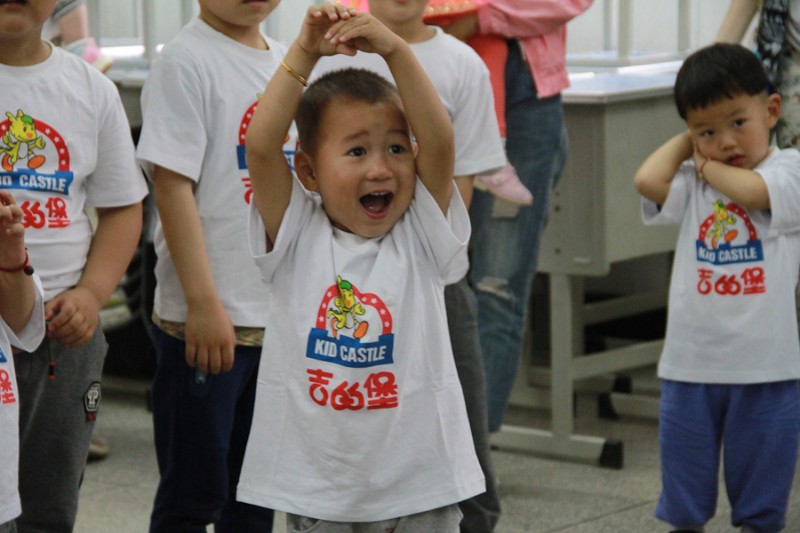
[72, 316]
[318, 22]
[210, 338]
[364, 32]
[12, 233]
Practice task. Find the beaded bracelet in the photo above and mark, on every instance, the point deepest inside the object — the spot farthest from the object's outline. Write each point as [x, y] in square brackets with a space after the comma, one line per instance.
[26, 267]
[292, 72]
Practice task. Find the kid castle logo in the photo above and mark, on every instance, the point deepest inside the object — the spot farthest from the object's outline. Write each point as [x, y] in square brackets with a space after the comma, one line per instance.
[241, 149]
[353, 329]
[28, 145]
[34, 157]
[728, 236]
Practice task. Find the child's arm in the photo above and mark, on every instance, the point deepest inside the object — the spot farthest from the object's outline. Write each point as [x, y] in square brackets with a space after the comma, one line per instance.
[73, 315]
[209, 334]
[745, 187]
[269, 172]
[654, 177]
[426, 115]
[17, 291]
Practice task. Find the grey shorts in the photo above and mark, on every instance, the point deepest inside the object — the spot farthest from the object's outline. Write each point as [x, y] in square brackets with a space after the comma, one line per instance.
[441, 520]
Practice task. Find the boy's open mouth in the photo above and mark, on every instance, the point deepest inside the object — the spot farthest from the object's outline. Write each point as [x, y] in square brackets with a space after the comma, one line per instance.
[4, 2]
[377, 202]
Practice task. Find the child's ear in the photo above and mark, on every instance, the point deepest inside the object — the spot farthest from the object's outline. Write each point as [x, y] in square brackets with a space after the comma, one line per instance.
[305, 171]
[773, 109]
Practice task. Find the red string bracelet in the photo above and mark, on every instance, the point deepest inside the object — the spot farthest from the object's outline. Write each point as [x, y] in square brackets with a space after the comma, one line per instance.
[700, 170]
[26, 267]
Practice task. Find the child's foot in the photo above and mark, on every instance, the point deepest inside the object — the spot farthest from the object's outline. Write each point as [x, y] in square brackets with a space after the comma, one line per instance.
[505, 184]
[88, 50]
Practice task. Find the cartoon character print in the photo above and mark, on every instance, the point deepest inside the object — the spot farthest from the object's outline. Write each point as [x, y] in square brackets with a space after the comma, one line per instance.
[724, 220]
[347, 310]
[21, 141]
[35, 159]
[350, 351]
[352, 328]
[728, 236]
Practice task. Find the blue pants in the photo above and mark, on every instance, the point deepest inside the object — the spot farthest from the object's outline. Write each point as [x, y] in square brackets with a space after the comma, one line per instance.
[505, 245]
[201, 425]
[757, 426]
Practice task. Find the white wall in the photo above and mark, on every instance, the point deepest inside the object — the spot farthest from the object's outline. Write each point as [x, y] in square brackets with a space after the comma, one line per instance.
[655, 22]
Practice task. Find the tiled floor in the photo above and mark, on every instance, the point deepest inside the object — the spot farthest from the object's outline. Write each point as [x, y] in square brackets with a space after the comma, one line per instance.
[538, 494]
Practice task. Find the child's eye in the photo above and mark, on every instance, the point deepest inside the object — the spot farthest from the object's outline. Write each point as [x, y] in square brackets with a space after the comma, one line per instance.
[397, 149]
[738, 122]
[356, 152]
[706, 133]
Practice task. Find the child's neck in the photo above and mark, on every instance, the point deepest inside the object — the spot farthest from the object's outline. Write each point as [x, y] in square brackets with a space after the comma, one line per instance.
[24, 52]
[413, 32]
[249, 36]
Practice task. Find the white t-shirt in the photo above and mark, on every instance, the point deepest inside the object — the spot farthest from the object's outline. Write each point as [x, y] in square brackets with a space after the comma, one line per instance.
[732, 315]
[462, 81]
[359, 413]
[28, 340]
[65, 143]
[197, 104]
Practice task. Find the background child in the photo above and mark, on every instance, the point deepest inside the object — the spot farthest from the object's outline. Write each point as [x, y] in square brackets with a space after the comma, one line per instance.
[503, 182]
[209, 300]
[70, 29]
[462, 82]
[367, 406]
[731, 359]
[21, 325]
[66, 144]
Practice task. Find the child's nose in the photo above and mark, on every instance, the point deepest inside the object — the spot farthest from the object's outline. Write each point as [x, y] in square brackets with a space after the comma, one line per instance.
[727, 140]
[379, 169]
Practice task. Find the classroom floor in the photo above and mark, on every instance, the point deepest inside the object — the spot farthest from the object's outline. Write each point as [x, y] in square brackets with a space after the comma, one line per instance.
[538, 494]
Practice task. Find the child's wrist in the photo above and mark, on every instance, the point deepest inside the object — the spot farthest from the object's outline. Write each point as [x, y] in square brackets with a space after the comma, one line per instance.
[701, 169]
[25, 267]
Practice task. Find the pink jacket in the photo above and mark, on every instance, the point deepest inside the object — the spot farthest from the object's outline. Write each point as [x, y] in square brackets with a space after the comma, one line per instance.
[541, 27]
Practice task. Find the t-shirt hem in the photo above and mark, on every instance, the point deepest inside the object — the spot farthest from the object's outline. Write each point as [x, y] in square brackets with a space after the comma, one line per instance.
[10, 512]
[745, 377]
[418, 505]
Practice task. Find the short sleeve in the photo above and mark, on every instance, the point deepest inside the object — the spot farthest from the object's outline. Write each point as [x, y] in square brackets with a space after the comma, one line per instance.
[677, 200]
[445, 239]
[479, 147]
[782, 177]
[116, 179]
[173, 131]
[32, 334]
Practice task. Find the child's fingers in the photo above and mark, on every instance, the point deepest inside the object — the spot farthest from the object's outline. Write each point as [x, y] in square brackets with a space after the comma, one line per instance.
[333, 12]
[346, 30]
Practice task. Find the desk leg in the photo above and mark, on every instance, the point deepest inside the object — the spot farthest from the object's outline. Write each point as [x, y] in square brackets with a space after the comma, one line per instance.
[566, 332]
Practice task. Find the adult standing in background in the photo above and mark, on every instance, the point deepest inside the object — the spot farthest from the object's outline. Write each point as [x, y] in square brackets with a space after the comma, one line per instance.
[778, 47]
[505, 237]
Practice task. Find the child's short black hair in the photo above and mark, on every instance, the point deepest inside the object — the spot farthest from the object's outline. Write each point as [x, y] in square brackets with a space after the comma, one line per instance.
[354, 84]
[718, 71]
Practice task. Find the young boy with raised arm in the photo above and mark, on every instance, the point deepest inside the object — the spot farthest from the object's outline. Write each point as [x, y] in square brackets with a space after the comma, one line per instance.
[731, 360]
[462, 82]
[359, 414]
